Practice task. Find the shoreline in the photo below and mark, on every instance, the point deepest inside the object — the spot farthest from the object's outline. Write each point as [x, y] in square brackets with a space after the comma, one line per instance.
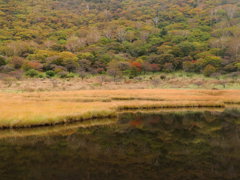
[19, 110]
[78, 119]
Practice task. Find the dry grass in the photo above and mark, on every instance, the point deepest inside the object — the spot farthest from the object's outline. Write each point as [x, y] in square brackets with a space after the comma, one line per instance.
[53, 130]
[50, 108]
[68, 129]
[150, 81]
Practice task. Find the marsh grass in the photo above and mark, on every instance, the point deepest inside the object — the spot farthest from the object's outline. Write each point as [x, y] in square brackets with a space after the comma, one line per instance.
[175, 110]
[173, 105]
[53, 130]
[71, 128]
[51, 108]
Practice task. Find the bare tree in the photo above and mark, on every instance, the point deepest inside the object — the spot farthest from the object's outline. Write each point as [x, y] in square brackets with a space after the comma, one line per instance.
[230, 10]
[114, 69]
[155, 21]
[121, 34]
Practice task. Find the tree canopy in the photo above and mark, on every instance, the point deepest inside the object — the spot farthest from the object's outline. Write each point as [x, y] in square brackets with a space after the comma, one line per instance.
[119, 37]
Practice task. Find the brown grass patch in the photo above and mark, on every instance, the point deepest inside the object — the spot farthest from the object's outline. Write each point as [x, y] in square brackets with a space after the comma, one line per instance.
[50, 108]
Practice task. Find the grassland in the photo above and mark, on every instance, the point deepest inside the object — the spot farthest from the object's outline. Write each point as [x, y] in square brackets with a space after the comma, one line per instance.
[179, 80]
[30, 109]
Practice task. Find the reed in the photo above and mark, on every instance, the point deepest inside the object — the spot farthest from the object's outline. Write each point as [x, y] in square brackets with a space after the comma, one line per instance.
[33, 109]
[172, 105]
[53, 130]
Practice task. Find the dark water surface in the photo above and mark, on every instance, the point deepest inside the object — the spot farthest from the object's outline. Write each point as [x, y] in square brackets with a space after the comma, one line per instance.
[161, 145]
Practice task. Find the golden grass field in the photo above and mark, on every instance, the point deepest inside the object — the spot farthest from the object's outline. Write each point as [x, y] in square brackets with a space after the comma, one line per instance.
[30, 109]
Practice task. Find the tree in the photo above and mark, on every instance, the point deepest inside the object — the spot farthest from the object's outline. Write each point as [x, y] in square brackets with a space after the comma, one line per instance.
[167, 35]
[28, 65]
[183, 49]
[69, 60]
[19, 48]
[114, 69]
[74, 43]
[212, 60]
[121, 34]
[82, 74]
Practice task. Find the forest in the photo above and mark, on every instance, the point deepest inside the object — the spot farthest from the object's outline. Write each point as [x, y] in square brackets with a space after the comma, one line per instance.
[67, 38]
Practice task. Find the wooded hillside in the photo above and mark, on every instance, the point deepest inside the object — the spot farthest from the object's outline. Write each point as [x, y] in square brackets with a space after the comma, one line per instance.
[120, 37]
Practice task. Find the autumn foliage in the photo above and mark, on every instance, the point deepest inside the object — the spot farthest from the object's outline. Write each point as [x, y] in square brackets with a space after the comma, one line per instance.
[84, 37]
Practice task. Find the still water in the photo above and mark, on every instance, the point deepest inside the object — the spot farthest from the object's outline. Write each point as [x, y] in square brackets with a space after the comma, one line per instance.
[185, 145]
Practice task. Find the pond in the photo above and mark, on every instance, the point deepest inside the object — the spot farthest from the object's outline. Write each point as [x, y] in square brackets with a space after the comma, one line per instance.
[181, 145]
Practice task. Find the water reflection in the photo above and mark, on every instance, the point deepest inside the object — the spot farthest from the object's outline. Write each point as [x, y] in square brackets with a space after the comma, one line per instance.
[157, 145]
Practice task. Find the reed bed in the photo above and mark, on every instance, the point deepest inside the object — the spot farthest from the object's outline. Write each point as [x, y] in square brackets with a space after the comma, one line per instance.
[172, 105]
[54, 130]
[50, 108]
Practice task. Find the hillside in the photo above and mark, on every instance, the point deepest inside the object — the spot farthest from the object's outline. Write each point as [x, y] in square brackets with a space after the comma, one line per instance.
[64, 38]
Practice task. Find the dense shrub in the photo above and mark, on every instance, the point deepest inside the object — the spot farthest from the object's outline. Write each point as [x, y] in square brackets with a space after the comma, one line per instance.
[209, 69]
[32, 73]
[50, 73]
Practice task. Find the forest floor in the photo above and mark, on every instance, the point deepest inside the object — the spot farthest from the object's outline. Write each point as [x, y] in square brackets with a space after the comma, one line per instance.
[32, 109]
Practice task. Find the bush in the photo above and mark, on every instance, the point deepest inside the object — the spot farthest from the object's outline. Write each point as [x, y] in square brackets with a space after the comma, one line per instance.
[2, 61]
[6, 68]
[209, 69]
[62, 74]
[70, 75]
[65, 74]
[17, 62]
[32, 73]
[32, 65]
[50, 73]
[16, 74]
[163, 77]
[41, 76]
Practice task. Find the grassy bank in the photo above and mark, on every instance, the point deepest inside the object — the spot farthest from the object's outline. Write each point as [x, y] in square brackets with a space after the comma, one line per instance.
[50, 108]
